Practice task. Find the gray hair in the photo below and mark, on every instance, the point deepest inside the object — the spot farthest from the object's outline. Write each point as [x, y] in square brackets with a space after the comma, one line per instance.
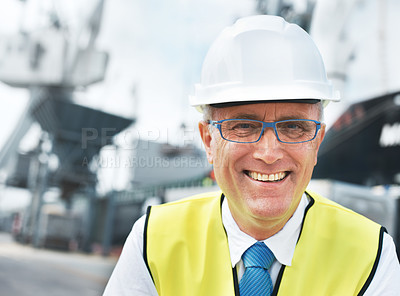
[207, 112]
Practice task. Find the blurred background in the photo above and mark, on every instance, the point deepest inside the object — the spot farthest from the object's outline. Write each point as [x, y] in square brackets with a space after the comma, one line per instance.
[96, 123]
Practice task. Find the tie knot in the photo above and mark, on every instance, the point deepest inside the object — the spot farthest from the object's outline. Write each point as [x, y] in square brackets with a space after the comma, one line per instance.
[258, 255]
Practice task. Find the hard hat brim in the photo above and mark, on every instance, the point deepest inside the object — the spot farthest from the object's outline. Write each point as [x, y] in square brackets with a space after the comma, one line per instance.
[231, 104]
[231, 93]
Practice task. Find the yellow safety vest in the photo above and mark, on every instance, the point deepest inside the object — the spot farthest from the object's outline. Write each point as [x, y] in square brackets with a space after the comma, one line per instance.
[186, 250]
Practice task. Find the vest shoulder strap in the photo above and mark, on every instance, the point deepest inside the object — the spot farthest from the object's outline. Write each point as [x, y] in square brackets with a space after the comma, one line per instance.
[187, 248]
[336, 254]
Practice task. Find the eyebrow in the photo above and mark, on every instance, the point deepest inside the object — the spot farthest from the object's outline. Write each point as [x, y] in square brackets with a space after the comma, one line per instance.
[295, 116]
[245, 116]
[255, 117]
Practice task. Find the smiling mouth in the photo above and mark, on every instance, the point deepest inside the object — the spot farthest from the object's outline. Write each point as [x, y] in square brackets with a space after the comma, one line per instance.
[276, 177]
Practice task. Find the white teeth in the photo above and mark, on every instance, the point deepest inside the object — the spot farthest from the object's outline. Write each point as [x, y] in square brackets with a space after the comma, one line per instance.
[265, 177]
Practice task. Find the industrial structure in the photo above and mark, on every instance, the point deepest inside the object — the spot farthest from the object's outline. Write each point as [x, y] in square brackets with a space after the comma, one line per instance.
[358, 162]
[52, 66]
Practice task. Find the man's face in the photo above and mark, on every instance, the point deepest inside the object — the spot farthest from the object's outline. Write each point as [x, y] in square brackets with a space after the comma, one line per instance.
[237, 165]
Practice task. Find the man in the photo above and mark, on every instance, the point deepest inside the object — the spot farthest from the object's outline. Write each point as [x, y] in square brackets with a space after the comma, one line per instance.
[262, 95]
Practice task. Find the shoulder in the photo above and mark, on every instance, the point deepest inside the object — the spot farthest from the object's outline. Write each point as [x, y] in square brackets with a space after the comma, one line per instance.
[338, 212]
[188, 210]
[190, 202]
[342, 227]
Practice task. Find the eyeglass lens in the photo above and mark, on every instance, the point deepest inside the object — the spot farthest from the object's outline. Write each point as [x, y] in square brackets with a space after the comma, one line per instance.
[292, 131]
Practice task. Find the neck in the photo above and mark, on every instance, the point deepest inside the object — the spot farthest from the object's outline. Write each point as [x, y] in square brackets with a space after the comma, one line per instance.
[260, 228]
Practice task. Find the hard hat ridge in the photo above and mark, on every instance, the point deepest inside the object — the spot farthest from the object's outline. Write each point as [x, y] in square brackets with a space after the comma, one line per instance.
[259, 22]
[262, 58]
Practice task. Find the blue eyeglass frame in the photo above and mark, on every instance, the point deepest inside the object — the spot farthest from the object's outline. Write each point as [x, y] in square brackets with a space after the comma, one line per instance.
[218, 123]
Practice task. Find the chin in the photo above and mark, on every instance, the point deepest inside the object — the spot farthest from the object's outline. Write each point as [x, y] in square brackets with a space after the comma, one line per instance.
[270, 209]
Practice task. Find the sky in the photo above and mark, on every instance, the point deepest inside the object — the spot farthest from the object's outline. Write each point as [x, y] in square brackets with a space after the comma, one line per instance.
[155, 48]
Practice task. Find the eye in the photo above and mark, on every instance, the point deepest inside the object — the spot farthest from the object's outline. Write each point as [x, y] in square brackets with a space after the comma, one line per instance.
[234, 129]
[295, 126]
[243, 125]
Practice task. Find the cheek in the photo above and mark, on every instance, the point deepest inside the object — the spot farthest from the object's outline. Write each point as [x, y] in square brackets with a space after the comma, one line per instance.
[217, 152]
[226, 154]
[313, 152]
[305, 156]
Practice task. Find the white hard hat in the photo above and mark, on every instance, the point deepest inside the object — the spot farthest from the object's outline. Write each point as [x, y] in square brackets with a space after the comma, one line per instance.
[262, 58]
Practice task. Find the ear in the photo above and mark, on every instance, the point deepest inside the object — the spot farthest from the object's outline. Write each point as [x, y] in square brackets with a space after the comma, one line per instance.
[206, 137]
[320, 137]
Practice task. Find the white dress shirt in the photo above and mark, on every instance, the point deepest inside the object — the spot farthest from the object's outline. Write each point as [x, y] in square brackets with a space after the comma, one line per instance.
[131, 277]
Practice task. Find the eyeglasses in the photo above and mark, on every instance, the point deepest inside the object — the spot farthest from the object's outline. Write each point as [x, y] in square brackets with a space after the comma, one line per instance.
[291, 131]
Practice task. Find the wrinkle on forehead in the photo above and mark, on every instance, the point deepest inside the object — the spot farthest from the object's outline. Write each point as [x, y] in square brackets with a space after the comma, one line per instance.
[266, 109]
[269, 111]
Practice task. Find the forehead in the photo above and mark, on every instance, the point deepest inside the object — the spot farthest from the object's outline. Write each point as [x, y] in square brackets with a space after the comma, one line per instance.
[269, 111]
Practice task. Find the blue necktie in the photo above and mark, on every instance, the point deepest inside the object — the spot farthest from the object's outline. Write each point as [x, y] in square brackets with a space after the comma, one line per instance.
[256, 280]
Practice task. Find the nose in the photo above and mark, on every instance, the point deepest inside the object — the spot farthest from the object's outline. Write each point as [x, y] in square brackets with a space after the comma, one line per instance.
[268, 148]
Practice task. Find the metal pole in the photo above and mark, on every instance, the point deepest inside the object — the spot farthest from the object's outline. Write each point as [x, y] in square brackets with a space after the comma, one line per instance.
[38, 196]
[109, 224]
[37, 184]
[43, 162]
[91, 216]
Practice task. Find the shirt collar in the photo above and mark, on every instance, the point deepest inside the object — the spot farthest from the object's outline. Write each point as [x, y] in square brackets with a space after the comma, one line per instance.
[282, 244]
